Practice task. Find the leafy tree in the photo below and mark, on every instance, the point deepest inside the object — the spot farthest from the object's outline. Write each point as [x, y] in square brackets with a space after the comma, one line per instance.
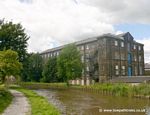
[69, 63]
[50, 70]
[26, 69]
[13, 36]
[9, 64]
[35, 67]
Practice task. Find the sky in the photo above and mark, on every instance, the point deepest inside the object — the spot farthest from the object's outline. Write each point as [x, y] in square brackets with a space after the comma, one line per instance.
[51, 23]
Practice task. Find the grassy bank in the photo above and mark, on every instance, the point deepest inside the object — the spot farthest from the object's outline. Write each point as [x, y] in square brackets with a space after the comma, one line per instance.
[117, 89]
[37, 85]
[120, 89]
[39, 105]
[5, 99]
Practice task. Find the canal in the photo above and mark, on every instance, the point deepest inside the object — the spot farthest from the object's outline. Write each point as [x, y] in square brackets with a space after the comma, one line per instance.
[76, 102]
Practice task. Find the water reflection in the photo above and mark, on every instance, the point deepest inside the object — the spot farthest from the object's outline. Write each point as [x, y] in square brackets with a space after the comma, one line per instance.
[76, 102]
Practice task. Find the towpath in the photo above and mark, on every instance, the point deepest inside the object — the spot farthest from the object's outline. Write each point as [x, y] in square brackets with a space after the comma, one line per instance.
[19, 105]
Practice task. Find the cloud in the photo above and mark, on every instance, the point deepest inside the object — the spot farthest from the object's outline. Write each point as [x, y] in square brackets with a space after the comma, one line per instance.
[50, 23]
[146, 43]
[123, 11]
[55, 21]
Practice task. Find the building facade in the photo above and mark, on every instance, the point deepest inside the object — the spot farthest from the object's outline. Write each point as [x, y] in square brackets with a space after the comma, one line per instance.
[108, 56]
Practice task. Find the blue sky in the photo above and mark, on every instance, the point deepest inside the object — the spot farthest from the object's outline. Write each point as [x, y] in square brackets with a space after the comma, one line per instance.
[51, 23]
[139, 31]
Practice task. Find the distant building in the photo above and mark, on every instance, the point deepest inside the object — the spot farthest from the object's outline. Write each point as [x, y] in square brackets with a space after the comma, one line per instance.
[147, 69]
[108, 56]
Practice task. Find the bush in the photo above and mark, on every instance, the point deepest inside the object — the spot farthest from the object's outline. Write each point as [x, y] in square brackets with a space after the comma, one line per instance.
[5, 99]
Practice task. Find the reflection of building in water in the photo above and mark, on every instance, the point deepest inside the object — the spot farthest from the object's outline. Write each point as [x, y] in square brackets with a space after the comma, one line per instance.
[148, 110]
[108, 56]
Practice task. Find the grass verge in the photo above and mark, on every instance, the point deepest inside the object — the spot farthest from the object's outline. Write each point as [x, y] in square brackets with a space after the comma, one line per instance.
[5, 99]
[38, 85]
[121, 89]
[117, 89]
[39, 105]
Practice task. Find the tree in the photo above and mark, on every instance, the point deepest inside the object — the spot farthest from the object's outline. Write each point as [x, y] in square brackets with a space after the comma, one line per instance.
[13, 36]
[26, 69]
[50, 70]
[35, 66]
[9, 64]
[69, 63]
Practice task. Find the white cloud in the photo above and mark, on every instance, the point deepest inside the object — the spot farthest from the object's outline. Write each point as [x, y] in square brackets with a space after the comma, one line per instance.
[123, 11]
[50, 23]
[55, 21]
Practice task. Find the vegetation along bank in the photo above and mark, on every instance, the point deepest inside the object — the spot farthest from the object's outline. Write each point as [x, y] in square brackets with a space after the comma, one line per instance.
[117, 89]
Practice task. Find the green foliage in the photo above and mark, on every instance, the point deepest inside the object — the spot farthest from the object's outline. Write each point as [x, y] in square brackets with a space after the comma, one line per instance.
[35, 67]
[121, 89]
[39, 105]
[25, 73]
[9, 64]
[50, 71]
[142, 89]
[5, 99]
[13, 36]
[69, 63]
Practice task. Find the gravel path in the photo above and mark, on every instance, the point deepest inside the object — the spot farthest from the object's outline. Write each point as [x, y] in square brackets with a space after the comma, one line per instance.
[19, 105]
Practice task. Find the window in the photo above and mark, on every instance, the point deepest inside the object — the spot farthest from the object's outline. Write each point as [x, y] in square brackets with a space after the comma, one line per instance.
[82, 47]
[116, 43]
[122, 44]
[134, 47]
[82, 71]
[87, 68]
[123, 67]
[135, 58]
[136, 73]
[116, 67]
[141, 70]
[140, 58]
[87, 47]
[122, 56]
[117, 70]
[128, 46]
[57, 53]
[123, 70]
[116, 55]
[82, 58]
[139, 48]
[54, 53]
[87, 56]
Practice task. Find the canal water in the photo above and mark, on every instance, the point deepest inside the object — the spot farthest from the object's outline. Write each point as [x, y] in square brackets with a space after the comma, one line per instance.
[76, 102]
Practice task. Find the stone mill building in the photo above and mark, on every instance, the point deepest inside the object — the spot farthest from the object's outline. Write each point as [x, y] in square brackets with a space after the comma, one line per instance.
[107, 56]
